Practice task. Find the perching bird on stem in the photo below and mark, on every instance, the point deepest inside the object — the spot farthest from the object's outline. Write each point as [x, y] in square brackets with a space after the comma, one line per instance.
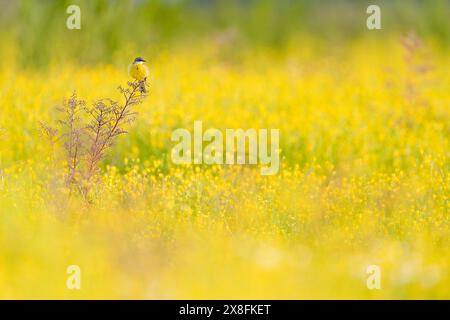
[139, 71]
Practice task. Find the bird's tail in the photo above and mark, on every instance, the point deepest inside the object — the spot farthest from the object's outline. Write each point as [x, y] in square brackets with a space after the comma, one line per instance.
[142, 86]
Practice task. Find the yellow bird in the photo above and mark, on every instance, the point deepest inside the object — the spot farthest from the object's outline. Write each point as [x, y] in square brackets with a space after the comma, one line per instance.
[139, 71]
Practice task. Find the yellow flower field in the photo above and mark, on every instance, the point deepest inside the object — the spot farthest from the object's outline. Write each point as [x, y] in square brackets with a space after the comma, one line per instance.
[364, 178]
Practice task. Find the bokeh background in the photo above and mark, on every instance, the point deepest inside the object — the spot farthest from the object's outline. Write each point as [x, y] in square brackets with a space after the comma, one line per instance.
[364, 119]
[112, 27]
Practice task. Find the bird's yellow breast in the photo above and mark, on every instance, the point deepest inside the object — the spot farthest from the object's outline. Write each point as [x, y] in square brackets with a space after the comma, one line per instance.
[138, 71]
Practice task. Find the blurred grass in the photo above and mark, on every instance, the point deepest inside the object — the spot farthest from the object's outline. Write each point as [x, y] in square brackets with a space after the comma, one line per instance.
[38, 28]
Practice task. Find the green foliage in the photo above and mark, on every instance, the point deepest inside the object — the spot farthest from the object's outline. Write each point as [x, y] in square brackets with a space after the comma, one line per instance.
[39, 30]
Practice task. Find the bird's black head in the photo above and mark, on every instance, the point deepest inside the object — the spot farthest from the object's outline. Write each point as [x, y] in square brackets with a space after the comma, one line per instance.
[139, 59]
